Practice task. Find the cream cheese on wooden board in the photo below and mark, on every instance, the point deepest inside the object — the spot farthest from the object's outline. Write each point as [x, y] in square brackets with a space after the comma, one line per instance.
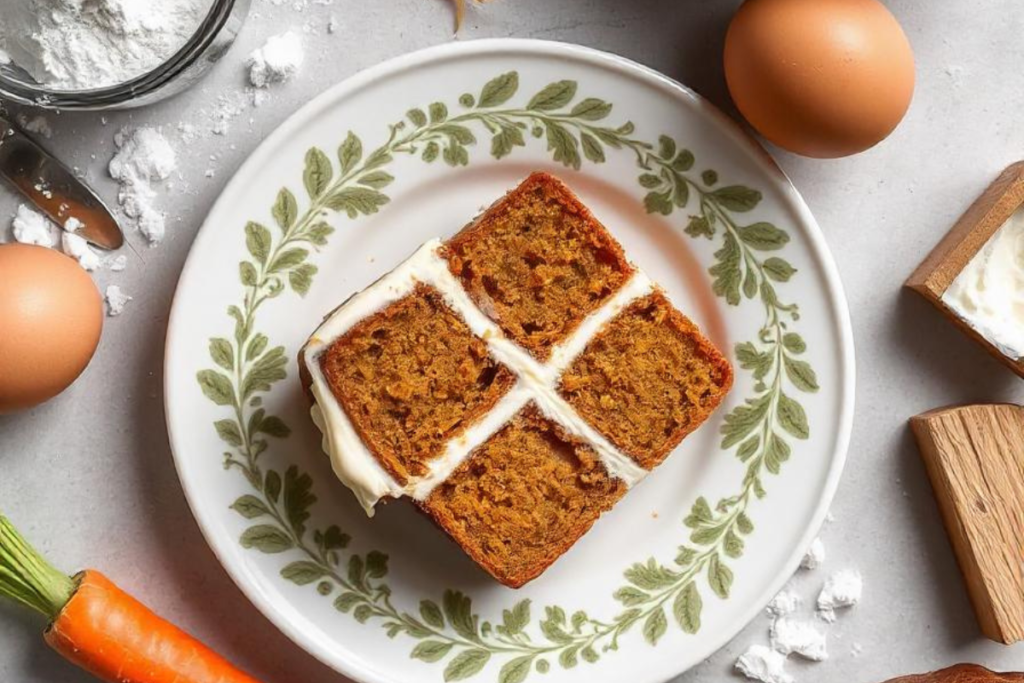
[988, 294]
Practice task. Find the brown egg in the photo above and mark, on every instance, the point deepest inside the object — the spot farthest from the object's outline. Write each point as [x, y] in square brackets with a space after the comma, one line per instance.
[822, 78]
[51, 315]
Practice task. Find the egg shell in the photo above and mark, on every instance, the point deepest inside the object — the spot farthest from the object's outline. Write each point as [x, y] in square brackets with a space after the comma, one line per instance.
[822, 78]
[51, 316]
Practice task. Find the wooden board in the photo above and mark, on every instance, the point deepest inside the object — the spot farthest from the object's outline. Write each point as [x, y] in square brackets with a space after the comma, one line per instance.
[962, 673]
[974, 229]
[975, 459]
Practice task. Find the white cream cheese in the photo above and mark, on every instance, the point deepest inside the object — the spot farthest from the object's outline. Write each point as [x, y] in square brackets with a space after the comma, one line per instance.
[360, 471]
[988, 294]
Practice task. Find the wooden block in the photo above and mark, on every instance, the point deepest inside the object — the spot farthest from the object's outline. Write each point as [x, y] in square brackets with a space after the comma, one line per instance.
[975, 459]
[937, 272]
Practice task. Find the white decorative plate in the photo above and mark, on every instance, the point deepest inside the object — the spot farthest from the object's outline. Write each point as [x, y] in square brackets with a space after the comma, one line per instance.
[412, 149]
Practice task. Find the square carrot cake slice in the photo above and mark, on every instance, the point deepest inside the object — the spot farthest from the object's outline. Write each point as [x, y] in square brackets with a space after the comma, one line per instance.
[538, 263]
[513, 382]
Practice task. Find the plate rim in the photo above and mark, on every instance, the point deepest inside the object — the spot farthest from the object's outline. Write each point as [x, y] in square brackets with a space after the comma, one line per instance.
[818, 250]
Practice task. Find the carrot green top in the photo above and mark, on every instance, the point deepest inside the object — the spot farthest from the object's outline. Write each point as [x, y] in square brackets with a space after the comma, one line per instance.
[26, 577]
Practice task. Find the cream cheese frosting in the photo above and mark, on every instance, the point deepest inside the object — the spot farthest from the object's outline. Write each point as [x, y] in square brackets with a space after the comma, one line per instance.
[988, 294]
[356, 466]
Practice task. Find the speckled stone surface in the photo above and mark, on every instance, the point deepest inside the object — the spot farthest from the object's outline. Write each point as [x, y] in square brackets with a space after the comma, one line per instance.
[90, 477]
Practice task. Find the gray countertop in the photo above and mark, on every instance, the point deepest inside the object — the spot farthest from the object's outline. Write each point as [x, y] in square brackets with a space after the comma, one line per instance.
[89, 475]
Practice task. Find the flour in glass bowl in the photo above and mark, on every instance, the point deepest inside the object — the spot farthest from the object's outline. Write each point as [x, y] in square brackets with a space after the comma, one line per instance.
[86, 44]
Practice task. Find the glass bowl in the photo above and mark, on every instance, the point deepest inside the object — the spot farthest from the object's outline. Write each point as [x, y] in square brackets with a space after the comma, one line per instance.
[186, 66]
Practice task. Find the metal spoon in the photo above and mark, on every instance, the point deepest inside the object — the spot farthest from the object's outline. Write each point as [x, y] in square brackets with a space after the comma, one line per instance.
[52, 187]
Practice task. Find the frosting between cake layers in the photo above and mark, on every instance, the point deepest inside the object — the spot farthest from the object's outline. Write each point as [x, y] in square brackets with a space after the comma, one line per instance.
[352, 461]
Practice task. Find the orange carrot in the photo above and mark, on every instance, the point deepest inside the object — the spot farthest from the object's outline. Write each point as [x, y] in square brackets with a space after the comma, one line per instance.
[102, 629]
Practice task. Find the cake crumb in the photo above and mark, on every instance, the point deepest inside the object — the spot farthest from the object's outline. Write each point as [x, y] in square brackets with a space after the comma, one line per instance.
[841, 590]
[814, 556]
[763, 664]
[276, 61]
[77, 248]
[31, 227]
[791, 635]
[116, 300]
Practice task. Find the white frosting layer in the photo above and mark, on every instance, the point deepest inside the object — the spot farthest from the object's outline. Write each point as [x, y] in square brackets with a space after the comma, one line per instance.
[988, 294]
[356, 466]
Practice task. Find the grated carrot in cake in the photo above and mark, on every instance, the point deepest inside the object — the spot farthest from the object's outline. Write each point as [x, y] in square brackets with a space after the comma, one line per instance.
[523, 498]
[538, 263]
[411, 378]
[514, 382]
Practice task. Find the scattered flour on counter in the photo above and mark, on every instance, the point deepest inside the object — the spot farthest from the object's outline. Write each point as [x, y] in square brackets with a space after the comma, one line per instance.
[793, 635]
[83, 44]
[143, 158]
[77, 248]
[277, 61]
[226, 109]
[815, 555]
[786, 602]
[31, 227]
[188, 132]
[763, 664]
[842, 589]
[116, 300]
[116, 263]
[37, 124]
[798, 630]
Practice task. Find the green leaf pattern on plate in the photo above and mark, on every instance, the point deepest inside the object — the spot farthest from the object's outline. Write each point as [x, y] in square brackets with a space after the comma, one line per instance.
[657, 594]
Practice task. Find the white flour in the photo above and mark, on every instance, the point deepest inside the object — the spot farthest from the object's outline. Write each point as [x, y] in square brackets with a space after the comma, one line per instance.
[785, 602]
[116, 300]
[77, 248]
[31, 227]
[277, 61]
[144, 158]
[806, 634]
[842, 589]
[763, 664]
[83, 44]
[37, 124]
[116, 263]
[815, 555]
[795, 635]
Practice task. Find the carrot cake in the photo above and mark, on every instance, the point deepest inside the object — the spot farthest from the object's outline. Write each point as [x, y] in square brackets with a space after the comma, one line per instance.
[513, 382]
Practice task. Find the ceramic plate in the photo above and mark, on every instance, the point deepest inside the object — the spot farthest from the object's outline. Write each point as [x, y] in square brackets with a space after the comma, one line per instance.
[412, 149]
